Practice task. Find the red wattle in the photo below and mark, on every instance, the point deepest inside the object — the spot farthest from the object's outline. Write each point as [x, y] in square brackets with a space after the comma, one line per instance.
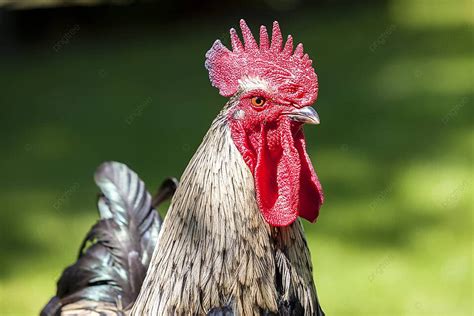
[286, 184]
[311, 193]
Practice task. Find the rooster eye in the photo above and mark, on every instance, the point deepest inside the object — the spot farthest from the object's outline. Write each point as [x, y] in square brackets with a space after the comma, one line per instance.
[258, 101]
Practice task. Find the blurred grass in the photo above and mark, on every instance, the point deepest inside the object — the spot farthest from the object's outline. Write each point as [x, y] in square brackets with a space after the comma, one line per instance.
[393, 152]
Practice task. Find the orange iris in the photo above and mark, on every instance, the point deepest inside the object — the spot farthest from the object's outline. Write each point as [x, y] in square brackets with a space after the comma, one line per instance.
[258, 101]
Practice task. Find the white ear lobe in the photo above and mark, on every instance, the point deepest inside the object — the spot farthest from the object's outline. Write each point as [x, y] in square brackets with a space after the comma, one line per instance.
[239, 114]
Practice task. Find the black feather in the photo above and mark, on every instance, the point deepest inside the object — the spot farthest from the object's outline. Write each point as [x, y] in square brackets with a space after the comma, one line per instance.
[221, 311]
[52, 308]
[115, 254]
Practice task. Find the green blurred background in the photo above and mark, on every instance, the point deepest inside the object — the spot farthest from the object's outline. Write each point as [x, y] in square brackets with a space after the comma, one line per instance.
[394, 152]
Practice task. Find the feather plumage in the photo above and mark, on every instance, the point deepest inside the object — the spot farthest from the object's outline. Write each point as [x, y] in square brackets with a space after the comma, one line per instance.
[217, 253]
[116, 252]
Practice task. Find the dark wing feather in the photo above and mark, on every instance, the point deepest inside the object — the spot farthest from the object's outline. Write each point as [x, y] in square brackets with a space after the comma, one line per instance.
[115, 254]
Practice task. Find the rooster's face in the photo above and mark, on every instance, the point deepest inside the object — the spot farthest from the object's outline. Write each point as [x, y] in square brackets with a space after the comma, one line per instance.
[271, 89]
[258, 104]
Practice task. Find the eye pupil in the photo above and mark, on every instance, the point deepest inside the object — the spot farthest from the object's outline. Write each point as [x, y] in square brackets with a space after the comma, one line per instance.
[258, 101]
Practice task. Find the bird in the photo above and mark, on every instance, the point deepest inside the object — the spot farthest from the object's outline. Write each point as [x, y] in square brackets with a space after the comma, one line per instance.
[232, 241]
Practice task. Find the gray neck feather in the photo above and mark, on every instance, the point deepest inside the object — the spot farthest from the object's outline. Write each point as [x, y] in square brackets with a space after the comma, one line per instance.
[215, 248]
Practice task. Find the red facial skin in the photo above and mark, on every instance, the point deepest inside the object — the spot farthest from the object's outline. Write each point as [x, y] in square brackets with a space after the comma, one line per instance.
[273, 147]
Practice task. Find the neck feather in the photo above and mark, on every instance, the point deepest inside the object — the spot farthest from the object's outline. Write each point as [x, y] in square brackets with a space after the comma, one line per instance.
[215, 248]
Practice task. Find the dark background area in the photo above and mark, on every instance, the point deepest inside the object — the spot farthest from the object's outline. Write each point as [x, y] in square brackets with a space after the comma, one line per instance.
[83, 84]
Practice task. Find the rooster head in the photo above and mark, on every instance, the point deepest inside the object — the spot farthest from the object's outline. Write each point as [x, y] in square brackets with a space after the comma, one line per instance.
[271, 87]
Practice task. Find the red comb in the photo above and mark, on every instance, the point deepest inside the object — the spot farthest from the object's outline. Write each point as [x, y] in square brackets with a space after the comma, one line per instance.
[289, 72]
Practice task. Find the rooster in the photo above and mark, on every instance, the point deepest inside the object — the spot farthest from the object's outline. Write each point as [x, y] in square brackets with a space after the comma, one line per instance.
[231, 242]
